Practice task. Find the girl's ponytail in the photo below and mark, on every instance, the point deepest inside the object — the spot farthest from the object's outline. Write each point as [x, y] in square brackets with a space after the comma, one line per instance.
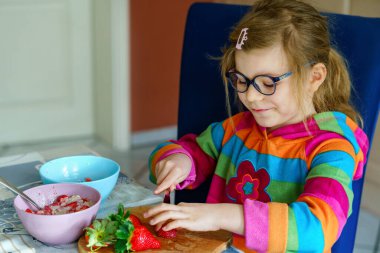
[334, 93]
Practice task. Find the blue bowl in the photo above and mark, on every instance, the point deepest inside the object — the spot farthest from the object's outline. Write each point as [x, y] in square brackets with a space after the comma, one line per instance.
[102, 172]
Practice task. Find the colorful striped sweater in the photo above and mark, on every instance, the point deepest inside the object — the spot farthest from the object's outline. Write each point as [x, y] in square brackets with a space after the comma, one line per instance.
[295, 183]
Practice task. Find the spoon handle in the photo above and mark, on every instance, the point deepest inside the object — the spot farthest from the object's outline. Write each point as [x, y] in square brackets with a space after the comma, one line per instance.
[17, 191]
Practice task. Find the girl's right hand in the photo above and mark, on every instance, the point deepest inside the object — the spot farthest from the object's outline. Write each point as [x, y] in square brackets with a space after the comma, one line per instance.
[170, 171]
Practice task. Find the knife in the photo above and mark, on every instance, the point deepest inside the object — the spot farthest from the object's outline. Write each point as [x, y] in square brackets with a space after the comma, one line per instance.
[169, 197]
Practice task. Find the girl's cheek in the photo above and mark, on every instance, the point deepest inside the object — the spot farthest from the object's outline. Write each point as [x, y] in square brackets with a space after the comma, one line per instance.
[241, 98]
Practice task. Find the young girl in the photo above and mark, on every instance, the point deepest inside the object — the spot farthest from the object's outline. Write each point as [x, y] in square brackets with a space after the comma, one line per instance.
[282, 170]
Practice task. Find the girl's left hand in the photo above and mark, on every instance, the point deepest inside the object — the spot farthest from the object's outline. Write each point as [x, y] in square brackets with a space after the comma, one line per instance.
[197, 217]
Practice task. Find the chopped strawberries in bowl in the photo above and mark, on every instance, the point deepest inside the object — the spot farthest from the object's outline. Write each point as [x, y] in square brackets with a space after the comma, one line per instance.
[64, 204]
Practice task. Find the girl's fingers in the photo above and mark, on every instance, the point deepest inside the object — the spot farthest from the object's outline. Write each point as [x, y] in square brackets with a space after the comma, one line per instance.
[165, 178]
[162, 213]
[161, 174]
[168, 191]
[167, 215]
[183, 223]
[159, 208]
[166, 184]
[159, 225]
[162, 187]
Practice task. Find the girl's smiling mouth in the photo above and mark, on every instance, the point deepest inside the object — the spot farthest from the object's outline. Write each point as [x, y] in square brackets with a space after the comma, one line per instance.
[260, 110]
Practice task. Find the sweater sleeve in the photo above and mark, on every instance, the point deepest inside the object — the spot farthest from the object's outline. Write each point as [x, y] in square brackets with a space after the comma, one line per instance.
[203, 150]
[315, 220]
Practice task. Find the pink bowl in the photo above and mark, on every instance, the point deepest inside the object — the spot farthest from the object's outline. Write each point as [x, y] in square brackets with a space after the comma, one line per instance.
[57, 229]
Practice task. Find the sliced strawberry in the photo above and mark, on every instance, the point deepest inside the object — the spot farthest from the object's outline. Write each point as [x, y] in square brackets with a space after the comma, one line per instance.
[55, 204]
[83, 208]
[72, 205]
[29, 210]
[143, 239]
[60, 198]
[47, 210]
[135, 221]
[170, 234]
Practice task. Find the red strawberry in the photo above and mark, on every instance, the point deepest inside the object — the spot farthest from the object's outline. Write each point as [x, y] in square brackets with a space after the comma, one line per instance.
[29, 210]
[88, 179]
[135, 221]
[143, 239]
[170, 234]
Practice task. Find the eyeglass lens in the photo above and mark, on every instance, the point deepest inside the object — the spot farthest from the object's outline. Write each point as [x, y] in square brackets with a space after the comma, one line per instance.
[240, 83]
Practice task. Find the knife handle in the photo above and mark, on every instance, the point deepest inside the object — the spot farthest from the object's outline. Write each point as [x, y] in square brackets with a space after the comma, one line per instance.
[167, 198]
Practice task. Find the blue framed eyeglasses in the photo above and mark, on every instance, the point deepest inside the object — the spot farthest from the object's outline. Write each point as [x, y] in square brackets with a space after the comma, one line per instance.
[264, 84]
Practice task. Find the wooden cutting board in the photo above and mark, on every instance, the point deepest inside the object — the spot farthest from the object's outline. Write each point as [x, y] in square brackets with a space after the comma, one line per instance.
[186, 241]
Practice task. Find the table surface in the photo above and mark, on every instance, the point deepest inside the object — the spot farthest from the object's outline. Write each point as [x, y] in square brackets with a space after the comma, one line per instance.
[22, 170]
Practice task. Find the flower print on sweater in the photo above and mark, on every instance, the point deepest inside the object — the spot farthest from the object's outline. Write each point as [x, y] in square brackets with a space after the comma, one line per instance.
[248, 184]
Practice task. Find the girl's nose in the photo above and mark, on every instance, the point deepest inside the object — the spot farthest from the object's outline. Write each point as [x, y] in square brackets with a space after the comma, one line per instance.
[253, 95]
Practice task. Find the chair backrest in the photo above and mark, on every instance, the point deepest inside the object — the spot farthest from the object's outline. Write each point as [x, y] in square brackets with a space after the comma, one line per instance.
[202, 99]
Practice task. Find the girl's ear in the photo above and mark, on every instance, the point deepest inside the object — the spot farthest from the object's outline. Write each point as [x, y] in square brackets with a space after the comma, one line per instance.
[317, 76]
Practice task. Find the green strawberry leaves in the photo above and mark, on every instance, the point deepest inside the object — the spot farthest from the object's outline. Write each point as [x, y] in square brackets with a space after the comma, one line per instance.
[121, 246]
[123, 235]
[101, 233]
[116, 229]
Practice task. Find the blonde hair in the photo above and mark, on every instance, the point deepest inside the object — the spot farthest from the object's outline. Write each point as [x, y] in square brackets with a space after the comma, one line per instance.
[304, 35]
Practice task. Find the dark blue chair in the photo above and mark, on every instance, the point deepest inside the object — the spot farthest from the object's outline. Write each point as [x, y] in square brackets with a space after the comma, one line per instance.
[202, 98]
